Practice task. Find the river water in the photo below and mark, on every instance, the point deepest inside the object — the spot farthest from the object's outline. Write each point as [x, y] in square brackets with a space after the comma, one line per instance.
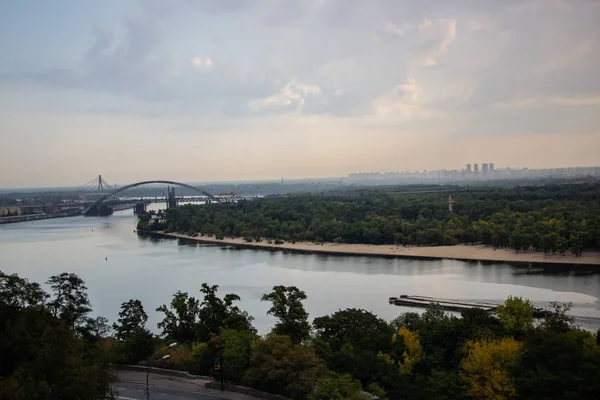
[117, 265]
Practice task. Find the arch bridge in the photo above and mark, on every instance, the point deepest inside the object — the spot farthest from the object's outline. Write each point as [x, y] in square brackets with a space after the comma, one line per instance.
[94, 206]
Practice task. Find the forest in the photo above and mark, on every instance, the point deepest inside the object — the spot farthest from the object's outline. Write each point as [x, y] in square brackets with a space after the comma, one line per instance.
[52, 348]
[552, 218]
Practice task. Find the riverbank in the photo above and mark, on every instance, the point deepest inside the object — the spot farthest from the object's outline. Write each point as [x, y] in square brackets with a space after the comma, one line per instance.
[459, 252]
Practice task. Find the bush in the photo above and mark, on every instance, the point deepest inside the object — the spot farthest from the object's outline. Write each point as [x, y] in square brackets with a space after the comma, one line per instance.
[278, 241]
[181, 357]
[138, 347]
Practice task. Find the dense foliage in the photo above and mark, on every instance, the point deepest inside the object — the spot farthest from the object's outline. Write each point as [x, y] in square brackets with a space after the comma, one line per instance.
[350, 354]
[555, 219]
[50, 349]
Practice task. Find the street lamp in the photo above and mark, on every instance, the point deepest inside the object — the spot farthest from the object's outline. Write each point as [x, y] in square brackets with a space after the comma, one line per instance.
[165, 357]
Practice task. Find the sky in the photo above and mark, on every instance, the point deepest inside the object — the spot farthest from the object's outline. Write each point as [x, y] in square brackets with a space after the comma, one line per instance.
[213, 90]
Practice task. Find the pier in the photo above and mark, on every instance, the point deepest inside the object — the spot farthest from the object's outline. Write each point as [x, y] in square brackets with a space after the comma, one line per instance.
[446, 304]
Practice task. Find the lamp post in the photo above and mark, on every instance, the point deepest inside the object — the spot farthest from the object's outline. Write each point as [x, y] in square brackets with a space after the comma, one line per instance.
[148, 364]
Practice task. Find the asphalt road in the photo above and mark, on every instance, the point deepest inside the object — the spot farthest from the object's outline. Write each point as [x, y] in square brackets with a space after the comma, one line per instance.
[132, 384]
[131, 391]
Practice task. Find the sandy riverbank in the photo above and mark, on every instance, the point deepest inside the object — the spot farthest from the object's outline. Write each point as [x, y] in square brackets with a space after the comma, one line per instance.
[458, 252]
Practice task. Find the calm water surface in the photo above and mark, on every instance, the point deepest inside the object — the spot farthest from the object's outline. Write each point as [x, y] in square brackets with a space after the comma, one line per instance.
[118, 265]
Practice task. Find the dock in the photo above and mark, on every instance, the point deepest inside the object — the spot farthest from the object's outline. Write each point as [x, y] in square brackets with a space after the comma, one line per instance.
[445, 304]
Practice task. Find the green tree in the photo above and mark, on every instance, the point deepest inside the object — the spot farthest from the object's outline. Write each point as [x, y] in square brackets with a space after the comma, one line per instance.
[217, 314]
[236, 349]
[131, 318]
[95, 328]
[359, 328]
[69, 299]
[181, 318]
[516, 314]
[19, 292]
[557, 366]
[138, 346]
[41, 358]
[558, 320]
[287, 307]
[279, 366]
[338, 387]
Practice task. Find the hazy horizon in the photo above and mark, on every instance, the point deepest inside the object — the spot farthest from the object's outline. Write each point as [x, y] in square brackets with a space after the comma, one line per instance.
[239, 90]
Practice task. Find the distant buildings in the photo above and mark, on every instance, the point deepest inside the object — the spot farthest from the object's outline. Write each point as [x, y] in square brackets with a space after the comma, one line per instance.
[488, 172]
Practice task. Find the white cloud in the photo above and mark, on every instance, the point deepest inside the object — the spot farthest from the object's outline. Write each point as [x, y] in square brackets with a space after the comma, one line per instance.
[202, 64]
[437, 35]
[403, 100]
[293, 93]
[393, 29]
[476, 25]
[554, 100]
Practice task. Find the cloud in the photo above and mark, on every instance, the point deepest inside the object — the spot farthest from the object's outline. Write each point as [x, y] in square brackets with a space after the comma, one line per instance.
[202, 64]
[293, 95]
[356, 53]
[403, 100]
[545, 101]
[436, 36]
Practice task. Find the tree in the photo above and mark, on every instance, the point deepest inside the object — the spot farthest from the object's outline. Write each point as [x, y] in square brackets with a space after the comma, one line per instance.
[217, 314]
[287, 307]
[138, 346]
[338, 387]
[412, 350]
[131, 318]
[236, 349]
[557, 366]
[558, 321]
[95, 328]
[19, 292]
[359, 328]
[279, 366]
[181, 318]
[41, 358]
[516, 314]
[70, 300]
[486, 369]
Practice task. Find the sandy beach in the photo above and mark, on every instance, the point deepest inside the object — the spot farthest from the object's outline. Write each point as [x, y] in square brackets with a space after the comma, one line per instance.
[458, 252]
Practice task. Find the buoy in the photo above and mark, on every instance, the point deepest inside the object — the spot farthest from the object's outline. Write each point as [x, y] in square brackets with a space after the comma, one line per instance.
[106, 258]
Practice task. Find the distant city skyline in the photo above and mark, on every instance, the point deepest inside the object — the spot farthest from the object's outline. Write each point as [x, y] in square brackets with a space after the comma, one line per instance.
[223, 90]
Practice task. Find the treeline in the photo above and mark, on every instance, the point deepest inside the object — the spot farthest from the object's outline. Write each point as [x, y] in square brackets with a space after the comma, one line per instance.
[51, 349]
[49, 346]
[553, 219]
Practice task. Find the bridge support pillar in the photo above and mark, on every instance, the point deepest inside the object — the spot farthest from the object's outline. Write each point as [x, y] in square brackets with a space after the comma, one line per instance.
[139, 208]
[171, 199]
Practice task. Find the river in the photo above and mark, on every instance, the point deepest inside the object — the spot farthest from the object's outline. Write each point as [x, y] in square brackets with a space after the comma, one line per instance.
[117, 265]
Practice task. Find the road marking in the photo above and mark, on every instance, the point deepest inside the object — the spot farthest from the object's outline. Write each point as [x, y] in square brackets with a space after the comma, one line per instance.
[126, 398]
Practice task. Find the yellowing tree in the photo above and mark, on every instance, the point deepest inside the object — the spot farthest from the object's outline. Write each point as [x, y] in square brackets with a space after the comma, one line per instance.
[485, 370]
[412, 350]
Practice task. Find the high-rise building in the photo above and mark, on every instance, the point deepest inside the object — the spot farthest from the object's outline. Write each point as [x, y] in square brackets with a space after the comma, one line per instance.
[484, 169]
[476, 168]
[491, 168]
[468, 168]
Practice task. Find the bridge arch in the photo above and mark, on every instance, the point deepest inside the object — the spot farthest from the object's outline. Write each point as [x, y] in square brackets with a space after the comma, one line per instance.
[123, 188]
